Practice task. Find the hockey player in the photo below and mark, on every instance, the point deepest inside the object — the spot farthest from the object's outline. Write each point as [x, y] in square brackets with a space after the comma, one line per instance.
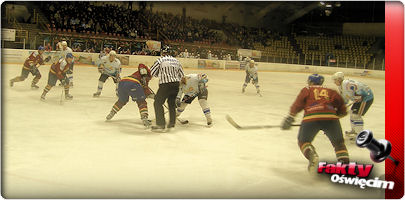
[62, 54]
[194, 85]
[108, 66]
[136, 87]
[59, 71]
[31, 65]
[251, 74]
[322, 109]
[362, 98]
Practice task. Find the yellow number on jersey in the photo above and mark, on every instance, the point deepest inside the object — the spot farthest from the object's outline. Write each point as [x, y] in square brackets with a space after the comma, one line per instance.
[323, 93]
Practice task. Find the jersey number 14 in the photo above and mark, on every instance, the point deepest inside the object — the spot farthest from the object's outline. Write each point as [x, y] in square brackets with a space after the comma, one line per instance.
[323, 93]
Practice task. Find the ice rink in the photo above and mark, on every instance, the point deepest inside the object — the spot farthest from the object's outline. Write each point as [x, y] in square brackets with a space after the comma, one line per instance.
[69, 151]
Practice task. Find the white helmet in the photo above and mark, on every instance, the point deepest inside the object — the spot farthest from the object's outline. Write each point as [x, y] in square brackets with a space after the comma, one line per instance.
[112, 53]
[252, 62]
[338, 75]
[64, 43]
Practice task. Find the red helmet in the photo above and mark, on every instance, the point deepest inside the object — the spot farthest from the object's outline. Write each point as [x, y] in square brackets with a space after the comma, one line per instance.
[144, 70]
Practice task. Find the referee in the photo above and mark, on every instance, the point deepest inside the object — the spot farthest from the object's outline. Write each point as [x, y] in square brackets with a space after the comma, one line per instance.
[169, 72]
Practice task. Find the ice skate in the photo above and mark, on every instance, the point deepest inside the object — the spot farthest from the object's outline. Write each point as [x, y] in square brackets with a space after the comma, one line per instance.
[147, 123]
[42, 97]
[313, 163]
[243, 90]
[351, 135]
[68, 97]
[97, 94]
[209, 122]
[34, 87]
[11, 83]
[110, 116]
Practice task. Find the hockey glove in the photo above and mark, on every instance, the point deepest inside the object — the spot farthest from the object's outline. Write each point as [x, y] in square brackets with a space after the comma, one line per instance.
[286, 125]
[116, 78]
[63, 82]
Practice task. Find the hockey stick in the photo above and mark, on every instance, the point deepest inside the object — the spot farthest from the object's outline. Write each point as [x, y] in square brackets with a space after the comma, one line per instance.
[234, 124]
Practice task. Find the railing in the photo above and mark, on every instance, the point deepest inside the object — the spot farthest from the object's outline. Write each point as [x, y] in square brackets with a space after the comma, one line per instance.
[321, 61]
[343, 62]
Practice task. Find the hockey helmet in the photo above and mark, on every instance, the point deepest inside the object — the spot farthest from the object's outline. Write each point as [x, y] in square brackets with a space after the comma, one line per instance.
[112, 53]
[143, 70]
[338, 75]
[41, 48]
[64, 43]
[316, 79]
[69, 55]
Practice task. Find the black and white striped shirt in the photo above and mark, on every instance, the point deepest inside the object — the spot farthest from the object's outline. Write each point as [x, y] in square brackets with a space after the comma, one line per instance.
[167, 69]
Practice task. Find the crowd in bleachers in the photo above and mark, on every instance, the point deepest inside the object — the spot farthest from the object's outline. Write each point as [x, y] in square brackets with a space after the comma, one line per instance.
[84, 17]
[178, 28]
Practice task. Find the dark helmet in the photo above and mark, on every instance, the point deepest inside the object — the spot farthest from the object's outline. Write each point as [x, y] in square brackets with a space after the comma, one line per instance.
[316, 79]
[69, 55]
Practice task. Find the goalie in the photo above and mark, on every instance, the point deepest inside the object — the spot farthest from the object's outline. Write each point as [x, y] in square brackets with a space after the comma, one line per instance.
[31, 65]
[194, 85]
[108, 66]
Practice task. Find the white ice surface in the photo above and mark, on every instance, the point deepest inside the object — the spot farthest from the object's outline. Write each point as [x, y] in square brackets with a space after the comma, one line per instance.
[69, 151]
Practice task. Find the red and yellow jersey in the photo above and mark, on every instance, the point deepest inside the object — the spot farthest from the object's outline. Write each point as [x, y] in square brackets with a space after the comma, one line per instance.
[137, 78]
[319, 103]
[60, 68]
[32, 60]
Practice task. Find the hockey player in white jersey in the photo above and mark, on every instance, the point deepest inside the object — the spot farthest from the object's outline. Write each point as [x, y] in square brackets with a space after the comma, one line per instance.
[108, 66]
[251, 75]
[194, 85]
[361, 96]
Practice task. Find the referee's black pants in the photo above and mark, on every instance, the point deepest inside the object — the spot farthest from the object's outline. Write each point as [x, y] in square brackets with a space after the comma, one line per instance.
[166, 91]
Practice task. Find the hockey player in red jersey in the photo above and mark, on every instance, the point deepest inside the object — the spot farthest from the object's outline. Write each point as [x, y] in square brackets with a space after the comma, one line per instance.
[31, 65]
[322, 109]
[136, 87]
[58, 71]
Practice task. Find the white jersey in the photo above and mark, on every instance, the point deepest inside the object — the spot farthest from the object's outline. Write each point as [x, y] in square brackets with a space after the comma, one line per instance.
[62, 64]
[251, 71]
[63, 53]
[352, 90]
[110, 68]
[59, 54]
[193, 85]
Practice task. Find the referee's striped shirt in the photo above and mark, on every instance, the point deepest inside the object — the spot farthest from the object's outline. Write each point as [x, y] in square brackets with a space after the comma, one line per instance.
[167, 69]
